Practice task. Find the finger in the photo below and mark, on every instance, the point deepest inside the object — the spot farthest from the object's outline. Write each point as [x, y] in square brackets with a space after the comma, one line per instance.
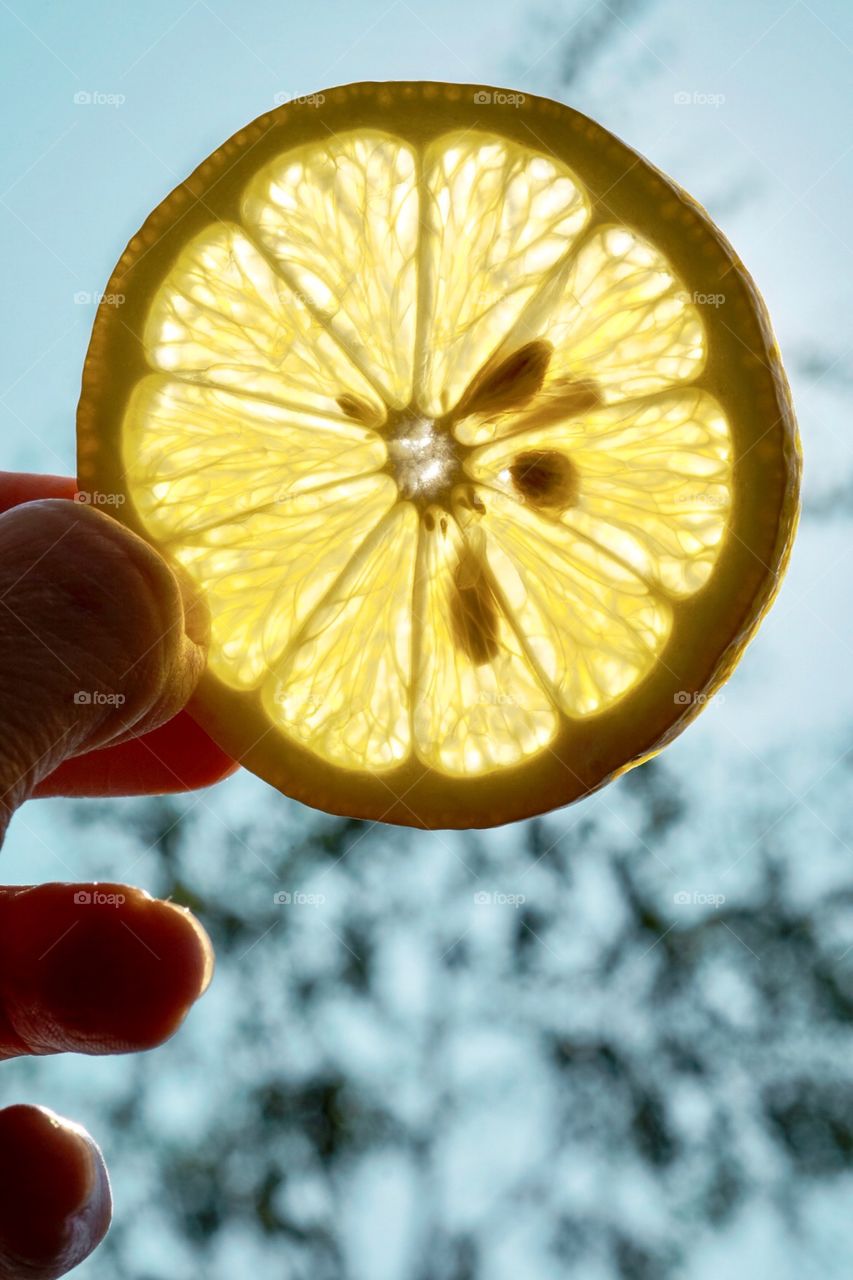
[55, 1200]
[95, 969]
[179, 756]
[95, 639]
[23, 486]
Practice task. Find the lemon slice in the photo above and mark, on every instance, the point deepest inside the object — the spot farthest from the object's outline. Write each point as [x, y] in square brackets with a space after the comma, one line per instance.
[470, 428]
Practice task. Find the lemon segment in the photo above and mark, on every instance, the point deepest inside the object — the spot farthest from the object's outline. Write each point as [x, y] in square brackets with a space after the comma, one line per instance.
[199, 457]
[224, 316]
[340, 221]
[478, 704]
[625, 319]
[653, 481]
[620, 324]
[344, 688]
[592, 625]
[496, 219]
[263, 574]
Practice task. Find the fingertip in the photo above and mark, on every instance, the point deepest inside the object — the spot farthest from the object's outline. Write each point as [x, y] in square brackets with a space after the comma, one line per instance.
[100, 968]
[186, 946]
[55, 1198]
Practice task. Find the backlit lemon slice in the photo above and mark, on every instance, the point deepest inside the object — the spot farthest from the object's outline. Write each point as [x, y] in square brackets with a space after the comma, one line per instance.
[471, 430]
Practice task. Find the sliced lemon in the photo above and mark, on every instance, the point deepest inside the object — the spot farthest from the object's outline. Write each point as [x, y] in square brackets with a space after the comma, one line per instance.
[471, 429]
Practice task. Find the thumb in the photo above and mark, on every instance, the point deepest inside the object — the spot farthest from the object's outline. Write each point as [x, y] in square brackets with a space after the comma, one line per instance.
[95, 641]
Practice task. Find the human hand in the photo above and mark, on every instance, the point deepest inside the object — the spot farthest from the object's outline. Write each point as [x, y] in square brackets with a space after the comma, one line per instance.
[86, 608]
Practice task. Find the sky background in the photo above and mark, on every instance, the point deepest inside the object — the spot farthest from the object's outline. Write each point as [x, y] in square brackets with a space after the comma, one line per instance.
[764, 143]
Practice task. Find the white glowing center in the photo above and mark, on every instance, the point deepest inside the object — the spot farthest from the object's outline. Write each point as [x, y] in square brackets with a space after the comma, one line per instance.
[423, 458]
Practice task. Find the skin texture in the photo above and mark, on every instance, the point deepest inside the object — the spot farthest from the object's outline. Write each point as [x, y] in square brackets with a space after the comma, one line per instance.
[86, 606]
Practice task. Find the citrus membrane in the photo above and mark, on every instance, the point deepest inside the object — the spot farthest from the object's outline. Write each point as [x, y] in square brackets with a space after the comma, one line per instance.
[471, 430]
